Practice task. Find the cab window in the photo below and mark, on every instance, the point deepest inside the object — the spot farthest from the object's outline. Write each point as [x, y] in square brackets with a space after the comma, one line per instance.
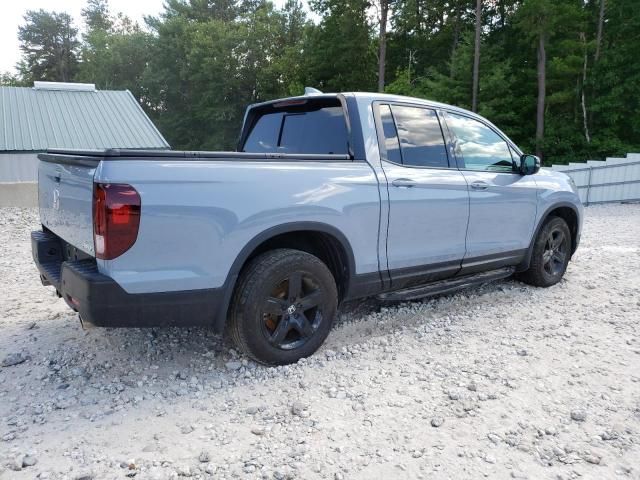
[391, 143]
[478, 146]
[311, 128]
[419, 134]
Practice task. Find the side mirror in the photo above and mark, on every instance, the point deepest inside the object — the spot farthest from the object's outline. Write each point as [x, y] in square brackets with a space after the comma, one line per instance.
[529, 164]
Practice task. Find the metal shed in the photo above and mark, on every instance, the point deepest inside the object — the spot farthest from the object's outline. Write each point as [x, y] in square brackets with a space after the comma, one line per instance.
[65, 115]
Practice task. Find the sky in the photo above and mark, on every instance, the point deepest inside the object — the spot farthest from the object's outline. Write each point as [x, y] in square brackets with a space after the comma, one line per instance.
[12, 11]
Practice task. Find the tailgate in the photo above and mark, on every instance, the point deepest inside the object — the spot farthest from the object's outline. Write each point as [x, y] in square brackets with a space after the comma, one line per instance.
[65, 198]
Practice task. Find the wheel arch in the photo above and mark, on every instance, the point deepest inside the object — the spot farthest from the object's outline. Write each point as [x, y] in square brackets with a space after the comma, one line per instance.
[565, 210]
[320, 239]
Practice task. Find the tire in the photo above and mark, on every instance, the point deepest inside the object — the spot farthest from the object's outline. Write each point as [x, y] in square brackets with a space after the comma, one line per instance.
[283, 307]
[551, 254]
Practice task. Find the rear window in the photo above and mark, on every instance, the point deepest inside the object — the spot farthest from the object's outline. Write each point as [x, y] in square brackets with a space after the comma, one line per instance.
[303, 129]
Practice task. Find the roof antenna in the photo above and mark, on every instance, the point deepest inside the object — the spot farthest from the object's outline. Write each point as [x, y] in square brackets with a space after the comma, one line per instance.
[311, 91]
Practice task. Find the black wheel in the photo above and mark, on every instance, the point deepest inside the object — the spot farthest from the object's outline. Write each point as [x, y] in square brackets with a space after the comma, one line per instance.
[283, 306]
[551, 253]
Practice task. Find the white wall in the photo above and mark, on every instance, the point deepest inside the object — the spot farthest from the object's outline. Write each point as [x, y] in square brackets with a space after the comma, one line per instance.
[18, 167]
[19, 194]
[18, 177]
[604, 181]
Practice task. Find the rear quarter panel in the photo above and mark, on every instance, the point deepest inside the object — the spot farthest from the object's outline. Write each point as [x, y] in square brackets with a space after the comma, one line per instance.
[198, 215]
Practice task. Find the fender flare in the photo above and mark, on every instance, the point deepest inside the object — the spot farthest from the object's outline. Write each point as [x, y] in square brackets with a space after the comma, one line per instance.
[524, 265]
[290, 227]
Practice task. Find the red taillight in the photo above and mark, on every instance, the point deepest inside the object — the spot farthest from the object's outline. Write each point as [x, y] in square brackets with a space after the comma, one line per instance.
[116, 218]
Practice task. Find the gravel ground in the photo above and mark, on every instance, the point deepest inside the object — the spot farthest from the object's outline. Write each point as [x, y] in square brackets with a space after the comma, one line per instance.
[504, 381]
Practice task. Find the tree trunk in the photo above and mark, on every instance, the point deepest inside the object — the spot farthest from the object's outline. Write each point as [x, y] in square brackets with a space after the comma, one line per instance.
[476, 57]
[583, 101]
[454, 45]
[600, 28]
[382, 53]
[542, 60]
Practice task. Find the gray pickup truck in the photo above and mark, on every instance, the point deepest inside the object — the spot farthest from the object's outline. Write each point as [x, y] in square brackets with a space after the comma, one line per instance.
[329, 197]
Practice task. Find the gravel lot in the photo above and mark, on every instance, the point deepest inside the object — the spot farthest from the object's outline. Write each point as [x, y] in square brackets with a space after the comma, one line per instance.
[504, 381]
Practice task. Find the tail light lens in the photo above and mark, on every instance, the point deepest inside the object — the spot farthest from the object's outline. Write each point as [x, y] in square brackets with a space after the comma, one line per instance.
[116, 218]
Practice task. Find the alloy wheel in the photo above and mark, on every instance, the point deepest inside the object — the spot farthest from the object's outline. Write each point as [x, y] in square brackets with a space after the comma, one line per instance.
[292, 312]
[555, 252]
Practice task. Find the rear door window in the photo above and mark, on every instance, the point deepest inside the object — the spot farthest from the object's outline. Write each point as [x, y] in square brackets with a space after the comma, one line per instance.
[318, 131]
[390, 135]
[419, 134]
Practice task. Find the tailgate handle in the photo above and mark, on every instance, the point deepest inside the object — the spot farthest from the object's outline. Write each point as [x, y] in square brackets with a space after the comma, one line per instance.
[56, 178]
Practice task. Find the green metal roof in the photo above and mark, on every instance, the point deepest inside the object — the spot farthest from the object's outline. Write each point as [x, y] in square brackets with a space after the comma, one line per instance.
[61, 116]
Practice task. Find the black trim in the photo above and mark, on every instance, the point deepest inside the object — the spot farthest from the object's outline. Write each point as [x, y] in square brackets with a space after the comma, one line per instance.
[262, 237]
[524, 265]
[446, 286]
[100, 301]
[426, 276]
[355, 128]
[364, 285]
[420, 274]
[492, 262]
[92, 158]
[63, 159]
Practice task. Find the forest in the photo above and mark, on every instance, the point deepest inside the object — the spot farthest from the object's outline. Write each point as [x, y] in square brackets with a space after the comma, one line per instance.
[560, 77]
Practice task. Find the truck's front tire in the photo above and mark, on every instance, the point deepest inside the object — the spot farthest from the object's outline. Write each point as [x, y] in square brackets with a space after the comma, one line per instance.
[283, 306]
[551, 254]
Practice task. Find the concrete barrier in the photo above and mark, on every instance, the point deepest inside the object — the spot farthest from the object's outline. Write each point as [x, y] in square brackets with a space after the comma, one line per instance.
[19, 194]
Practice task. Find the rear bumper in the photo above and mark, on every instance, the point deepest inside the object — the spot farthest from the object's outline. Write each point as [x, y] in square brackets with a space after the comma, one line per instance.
[100, 301]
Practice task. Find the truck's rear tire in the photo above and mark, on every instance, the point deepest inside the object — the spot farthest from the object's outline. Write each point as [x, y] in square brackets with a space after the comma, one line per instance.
[551, 254]
[283, 306]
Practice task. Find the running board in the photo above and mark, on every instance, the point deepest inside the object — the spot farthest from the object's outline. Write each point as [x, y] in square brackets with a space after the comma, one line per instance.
[446, 286]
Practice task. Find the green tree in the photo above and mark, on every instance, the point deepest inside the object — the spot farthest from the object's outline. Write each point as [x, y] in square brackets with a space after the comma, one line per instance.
[615, 83]
[476, 56]
[339, 54]
[557, 75]
[115, 51]
[205, 68]
[49, 45]
[382, 6]
[96, 16]
[8, 79]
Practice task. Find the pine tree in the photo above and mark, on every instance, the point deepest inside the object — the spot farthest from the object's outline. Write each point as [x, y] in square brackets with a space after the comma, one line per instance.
[49, 45]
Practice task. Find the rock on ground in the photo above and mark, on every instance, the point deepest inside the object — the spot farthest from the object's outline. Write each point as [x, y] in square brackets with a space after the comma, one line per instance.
[502, 381]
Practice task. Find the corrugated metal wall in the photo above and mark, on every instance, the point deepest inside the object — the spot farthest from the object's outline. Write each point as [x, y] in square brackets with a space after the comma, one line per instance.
[18, 167]
[39, 119]
[604, 181]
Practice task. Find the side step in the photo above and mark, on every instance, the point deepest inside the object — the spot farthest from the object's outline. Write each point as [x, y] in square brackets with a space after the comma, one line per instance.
[446, 286]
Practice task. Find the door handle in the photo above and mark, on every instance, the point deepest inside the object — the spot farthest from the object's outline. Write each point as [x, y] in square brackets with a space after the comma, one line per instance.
[403, 182]
[479, 185]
